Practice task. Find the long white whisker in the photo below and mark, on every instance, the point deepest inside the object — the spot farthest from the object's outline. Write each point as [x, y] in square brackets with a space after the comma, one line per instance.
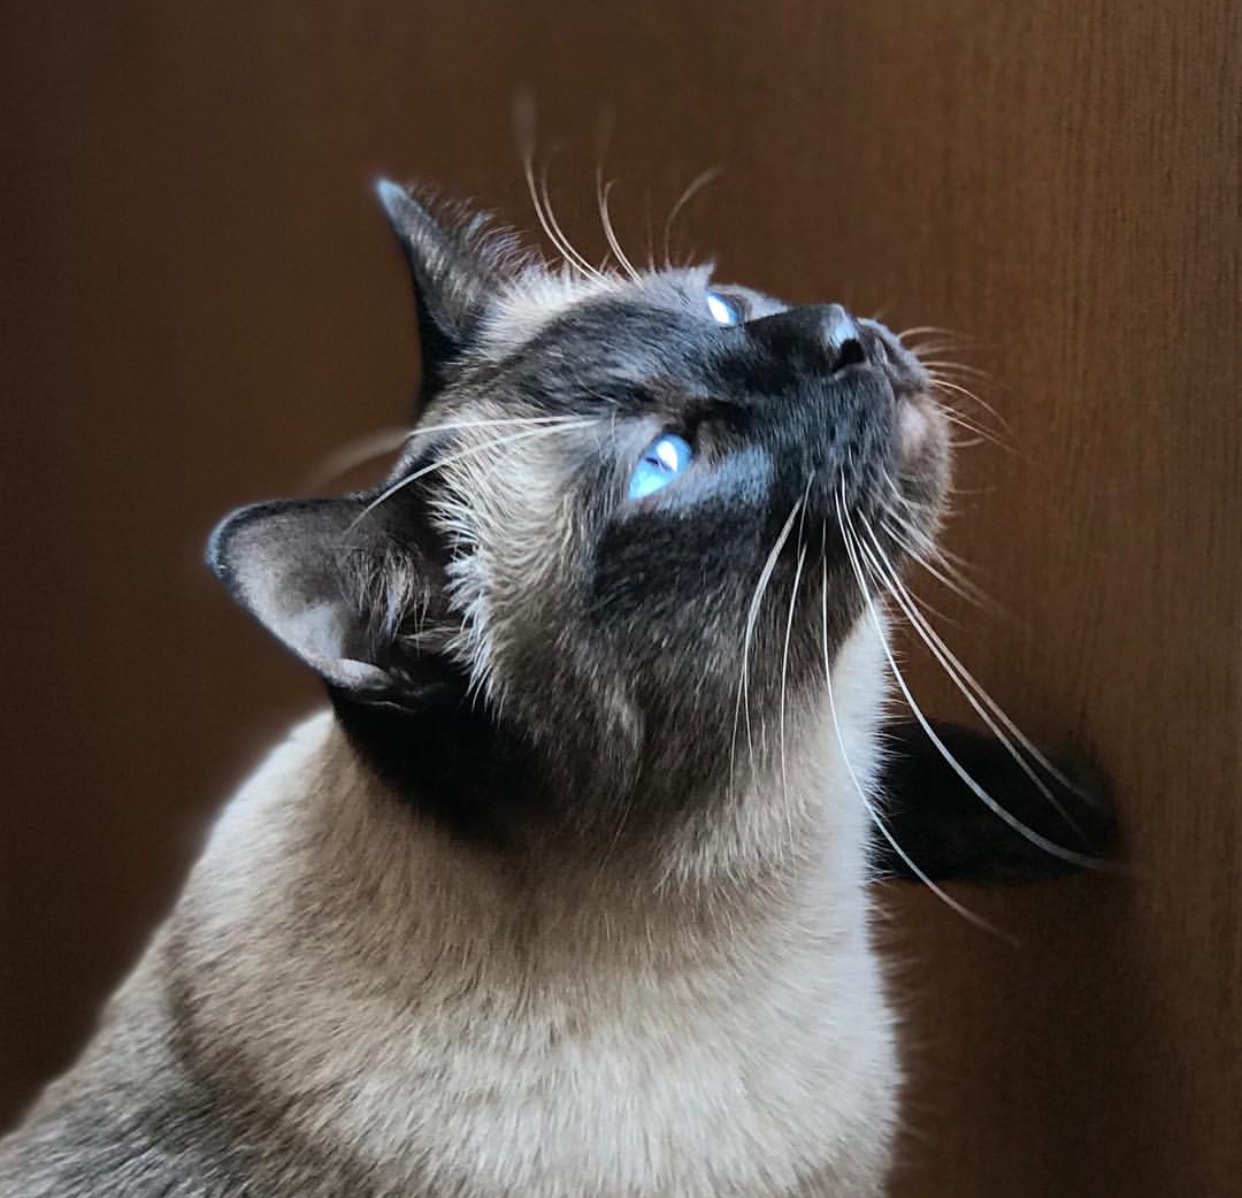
[572, 256]
[948, 558]
[697, 184]
[940, 364]
[872, 811]
[536, 200]
[883, 570]
[499, 422]
[372, 445]
[921, 547]
[997, 809]
[923, 348]
[956, 418]
[356, 452]
[940, 380]
[540, 199]
[491, 422]
[948, 576]
[650, 227]
[930, 608]
[602, 192]
[984, 705]
[473, 450]
[752, 615]
[793, 601]
[926, 328]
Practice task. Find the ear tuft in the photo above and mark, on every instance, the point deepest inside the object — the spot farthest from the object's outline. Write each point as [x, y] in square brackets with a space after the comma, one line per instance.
[284, 563]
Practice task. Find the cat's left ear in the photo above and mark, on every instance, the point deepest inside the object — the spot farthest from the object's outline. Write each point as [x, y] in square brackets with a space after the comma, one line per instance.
[295, 566]
[454, 276]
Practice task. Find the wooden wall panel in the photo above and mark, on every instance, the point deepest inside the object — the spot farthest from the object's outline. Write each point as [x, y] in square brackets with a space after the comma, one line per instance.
[198, 300]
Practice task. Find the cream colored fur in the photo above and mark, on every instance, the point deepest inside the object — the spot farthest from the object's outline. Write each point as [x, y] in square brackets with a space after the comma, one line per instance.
[710, 1024]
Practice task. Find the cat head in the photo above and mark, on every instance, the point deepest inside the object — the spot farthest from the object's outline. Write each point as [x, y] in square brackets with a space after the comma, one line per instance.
[634, 512]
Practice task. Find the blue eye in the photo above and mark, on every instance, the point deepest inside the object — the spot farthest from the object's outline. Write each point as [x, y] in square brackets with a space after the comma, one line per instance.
[663, 460]
[724, 311]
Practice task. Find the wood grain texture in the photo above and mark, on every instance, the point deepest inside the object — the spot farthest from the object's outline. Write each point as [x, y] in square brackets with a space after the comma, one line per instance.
[199, 301]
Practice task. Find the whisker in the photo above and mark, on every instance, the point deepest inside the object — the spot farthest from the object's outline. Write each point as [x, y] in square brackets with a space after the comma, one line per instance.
[602, 191]
[696, 185]
[956, 367]
[465, 453]
[354, 453]
[956, 416]
[561, 240]
[962, 587]
[363, 449]
[941, 381]
[872, 811]
[912, 550]
[922, 348]
[977, 696]
[793, 602]
[883, 569]
[929, 607]
[539, 196]
[499, 422]
[927, 328]
[525, 121]
[650, 228]
[983, 435]
[927, 351]
[960, 564]
[852, 546]
[752, 615]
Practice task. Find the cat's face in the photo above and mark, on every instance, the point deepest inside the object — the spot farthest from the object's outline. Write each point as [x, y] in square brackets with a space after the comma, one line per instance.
[631, 520]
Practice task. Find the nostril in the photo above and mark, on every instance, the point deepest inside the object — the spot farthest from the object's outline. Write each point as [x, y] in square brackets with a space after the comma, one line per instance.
[849, 352]
[842, 337]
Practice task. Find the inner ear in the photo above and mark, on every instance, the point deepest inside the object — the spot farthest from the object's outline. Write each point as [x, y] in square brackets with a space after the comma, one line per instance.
[456, 265]
[320, 575]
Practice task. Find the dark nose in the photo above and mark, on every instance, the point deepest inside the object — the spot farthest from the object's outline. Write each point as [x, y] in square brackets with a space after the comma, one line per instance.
[826, 330]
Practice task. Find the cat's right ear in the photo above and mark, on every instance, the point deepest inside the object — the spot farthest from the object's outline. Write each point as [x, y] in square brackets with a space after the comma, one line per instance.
[453, 276]
[946, 833]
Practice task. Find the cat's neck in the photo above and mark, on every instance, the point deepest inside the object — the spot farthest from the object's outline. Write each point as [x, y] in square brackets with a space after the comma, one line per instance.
[315, 820]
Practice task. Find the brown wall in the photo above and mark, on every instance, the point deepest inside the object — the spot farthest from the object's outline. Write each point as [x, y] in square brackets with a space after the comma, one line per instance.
[200, 301]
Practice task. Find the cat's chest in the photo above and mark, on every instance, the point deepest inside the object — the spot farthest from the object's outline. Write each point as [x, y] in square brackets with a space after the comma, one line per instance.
[749, 1090]
[440, 1034]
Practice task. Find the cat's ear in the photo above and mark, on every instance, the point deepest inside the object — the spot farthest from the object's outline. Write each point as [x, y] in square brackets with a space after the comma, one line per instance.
[293, 564]
[453, 273]
[941, 825]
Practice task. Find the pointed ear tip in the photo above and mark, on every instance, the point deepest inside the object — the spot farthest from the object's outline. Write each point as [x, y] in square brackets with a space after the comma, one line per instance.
[392, 196]
[219, 551]
[216, 552]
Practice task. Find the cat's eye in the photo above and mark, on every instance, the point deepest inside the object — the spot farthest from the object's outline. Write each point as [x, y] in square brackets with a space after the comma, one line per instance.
[667, 457]
[724, 310]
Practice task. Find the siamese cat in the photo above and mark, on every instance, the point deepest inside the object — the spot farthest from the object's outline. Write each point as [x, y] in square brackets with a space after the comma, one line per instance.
[568, 896]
